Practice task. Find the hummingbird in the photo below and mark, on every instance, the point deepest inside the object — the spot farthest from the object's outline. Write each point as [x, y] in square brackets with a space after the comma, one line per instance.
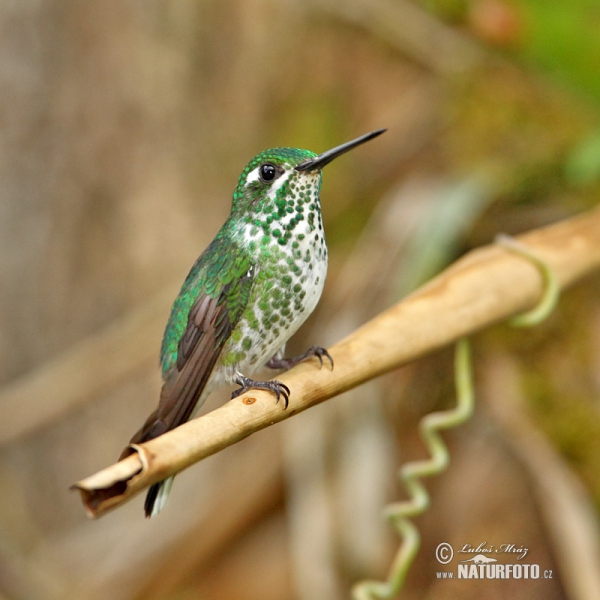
[247, 293]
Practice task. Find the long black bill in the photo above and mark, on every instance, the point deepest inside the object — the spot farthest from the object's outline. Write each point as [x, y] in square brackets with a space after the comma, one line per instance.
[323, 159]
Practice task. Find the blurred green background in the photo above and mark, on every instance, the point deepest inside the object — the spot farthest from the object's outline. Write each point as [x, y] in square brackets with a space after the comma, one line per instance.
[124, 127]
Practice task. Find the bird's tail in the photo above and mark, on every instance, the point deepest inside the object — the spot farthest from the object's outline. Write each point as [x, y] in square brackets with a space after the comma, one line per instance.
[157, 496]
[163, 419]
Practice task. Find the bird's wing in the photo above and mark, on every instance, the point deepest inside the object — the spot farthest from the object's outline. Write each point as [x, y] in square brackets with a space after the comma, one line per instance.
[211, 319]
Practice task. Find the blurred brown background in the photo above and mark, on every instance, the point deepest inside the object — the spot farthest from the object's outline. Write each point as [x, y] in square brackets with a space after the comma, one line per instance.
[123, 128]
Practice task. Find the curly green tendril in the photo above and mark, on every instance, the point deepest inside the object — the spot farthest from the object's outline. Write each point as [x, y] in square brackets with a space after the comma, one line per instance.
[400, 513]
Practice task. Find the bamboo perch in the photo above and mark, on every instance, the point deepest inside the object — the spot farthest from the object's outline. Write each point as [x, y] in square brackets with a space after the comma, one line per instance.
[485, 286]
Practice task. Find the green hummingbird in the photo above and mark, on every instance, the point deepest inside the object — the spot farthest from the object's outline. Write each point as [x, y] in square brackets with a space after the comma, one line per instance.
[247, 294]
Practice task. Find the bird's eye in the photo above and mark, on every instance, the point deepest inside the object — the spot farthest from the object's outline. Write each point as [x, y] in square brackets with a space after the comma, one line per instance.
[267, 172]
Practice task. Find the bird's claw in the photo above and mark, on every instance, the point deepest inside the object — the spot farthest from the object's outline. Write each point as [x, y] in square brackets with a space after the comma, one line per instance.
[288, 363]
[319, 352]
[274, 386]
[280, 389]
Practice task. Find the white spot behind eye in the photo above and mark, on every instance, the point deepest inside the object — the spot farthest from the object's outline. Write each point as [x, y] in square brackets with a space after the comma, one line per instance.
[252, 176]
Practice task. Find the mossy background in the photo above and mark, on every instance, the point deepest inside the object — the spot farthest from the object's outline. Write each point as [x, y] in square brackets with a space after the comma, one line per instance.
[124, 128]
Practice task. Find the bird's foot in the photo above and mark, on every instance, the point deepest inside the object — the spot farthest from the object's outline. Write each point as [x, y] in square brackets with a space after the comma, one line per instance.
[288, 363]
[278, 388]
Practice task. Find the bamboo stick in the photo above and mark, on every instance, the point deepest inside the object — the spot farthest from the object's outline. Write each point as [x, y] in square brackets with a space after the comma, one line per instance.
[485, 286]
